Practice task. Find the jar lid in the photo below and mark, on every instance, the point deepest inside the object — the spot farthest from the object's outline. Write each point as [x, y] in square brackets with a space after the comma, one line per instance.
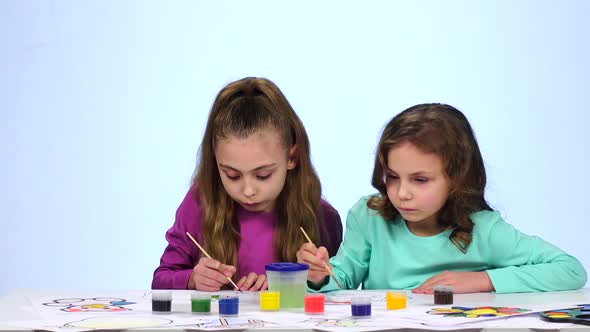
[287, 267]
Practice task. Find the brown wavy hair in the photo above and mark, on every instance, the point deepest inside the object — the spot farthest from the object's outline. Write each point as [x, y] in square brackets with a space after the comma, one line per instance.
[443, 130]
[241, 109]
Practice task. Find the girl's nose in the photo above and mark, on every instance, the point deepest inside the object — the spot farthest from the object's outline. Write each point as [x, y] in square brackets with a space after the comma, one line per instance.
[248, 189]
[403, 192]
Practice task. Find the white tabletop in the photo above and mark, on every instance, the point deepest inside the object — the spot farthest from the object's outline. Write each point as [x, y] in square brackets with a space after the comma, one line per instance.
[43, 309]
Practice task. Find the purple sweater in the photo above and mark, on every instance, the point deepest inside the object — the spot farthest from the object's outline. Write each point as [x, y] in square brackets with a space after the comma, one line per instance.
[256, 242]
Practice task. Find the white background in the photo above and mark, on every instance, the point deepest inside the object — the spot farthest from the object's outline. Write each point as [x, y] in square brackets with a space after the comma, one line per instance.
[103, 105]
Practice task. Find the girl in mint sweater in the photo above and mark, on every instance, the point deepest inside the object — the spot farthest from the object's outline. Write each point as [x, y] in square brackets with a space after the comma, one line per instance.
[430, 225]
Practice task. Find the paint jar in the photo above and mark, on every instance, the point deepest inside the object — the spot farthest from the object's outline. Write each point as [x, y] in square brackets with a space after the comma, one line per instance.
[314, 304]
[200, 303]
[270, 301]
[290, 280]
[395, 300]
[361, 307]
[229, 305]
[443, 295]
[161, 300]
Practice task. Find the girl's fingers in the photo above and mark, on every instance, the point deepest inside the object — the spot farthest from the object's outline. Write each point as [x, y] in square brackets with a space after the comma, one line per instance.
[428, 286]
[309, 247]
[423, 287]
[212, 274]
[259, 283]
[213, 269]
[204, 276]
[250, 280]
[227, 270]
[206, 284]
[312, 260]
[322, 253]
[210, 263]
[241, 282]
[317, 268]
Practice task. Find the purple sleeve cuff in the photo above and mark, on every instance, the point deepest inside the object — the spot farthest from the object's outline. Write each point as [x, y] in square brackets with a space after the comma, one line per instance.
[171, 279]
[180, 279]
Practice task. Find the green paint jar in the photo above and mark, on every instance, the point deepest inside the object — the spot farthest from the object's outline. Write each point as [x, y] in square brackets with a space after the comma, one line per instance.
[200, 303]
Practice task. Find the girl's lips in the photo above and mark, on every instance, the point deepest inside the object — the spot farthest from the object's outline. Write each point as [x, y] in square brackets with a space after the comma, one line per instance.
[406, 210]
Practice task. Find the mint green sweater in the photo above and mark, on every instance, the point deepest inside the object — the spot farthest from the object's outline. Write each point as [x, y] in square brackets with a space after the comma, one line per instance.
[383, 254]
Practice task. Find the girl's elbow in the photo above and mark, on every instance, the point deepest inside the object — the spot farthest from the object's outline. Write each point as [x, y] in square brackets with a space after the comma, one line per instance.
[582, 278]
[578, 276]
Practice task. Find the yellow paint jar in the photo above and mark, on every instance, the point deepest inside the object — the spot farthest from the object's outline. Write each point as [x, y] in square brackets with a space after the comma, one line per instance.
[395, 300]
[270, 301]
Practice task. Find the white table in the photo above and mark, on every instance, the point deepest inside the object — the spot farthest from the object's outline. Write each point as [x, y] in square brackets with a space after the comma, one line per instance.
[23, 310]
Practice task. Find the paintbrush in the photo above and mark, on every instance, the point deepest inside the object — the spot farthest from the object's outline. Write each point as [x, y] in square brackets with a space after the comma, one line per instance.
[206, 254]
[327, 266]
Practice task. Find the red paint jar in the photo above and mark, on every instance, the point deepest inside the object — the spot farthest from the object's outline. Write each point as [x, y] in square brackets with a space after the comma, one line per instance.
[314, 304]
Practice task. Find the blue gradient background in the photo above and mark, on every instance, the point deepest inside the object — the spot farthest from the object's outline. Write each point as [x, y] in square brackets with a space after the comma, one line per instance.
[103, 104]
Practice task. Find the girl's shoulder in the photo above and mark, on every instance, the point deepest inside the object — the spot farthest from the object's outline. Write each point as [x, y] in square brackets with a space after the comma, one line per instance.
[190, 207]
[486, 219]
[361, 210]
[329, 215]
[327, 208]
[370, 222]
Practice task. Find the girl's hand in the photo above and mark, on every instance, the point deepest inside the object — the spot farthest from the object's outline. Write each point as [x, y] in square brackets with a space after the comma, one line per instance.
[253, 282]
[317, 259]
[210, 275]
[462, 282]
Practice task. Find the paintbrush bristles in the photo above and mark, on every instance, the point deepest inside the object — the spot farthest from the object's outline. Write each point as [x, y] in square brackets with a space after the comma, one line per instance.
[208, 256]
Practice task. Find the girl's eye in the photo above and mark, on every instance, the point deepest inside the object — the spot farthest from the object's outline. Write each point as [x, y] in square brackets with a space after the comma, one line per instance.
[263, 177]
[392, 177]
[421, 180]
[232, 178]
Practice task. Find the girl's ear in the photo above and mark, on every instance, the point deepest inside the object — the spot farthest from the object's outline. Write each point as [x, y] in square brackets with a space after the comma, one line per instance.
[292, 157]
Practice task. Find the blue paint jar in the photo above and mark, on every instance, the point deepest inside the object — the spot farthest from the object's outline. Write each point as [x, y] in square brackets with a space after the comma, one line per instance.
[361, 307]
[229, 305]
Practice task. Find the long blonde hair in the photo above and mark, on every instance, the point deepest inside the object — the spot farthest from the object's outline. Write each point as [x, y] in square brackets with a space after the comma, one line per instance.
[240, 109]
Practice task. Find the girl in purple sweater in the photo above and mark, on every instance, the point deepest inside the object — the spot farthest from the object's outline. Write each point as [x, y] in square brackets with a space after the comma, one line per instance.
[253, 188]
